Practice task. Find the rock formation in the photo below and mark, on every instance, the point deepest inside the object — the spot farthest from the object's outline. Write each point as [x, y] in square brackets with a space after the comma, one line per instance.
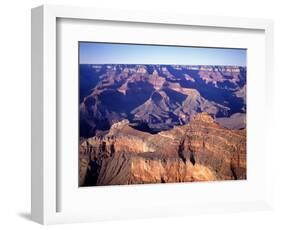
[201, 150]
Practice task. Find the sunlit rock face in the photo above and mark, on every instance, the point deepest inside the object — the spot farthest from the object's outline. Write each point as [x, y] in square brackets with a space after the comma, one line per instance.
[199, 151]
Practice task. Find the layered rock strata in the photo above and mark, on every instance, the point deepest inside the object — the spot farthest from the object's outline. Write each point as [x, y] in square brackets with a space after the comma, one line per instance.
[202, 150]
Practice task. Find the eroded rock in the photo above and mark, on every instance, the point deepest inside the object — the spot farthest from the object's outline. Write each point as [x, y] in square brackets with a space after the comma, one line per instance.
[199, 151]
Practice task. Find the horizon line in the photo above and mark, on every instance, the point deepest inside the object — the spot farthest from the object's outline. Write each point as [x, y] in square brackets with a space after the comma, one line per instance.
[158, 64]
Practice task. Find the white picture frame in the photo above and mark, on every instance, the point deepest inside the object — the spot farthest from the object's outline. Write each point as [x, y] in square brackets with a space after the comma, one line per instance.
[45, 182]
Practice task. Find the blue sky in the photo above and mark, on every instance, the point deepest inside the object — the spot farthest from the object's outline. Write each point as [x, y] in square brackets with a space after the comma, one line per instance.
[113, 53]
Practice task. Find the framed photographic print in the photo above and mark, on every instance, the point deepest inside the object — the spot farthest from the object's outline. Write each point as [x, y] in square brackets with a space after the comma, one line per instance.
[137, 114]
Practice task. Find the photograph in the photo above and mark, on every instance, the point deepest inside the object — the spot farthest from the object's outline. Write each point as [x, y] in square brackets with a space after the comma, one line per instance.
[152, 114]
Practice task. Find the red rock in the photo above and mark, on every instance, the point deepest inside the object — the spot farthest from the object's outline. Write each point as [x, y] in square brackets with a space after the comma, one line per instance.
[199, 151]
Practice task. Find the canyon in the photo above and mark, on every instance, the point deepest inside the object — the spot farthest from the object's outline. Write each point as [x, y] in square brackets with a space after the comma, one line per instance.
[144, 124]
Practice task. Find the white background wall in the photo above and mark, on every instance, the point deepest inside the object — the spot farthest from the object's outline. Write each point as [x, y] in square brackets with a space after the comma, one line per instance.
[15, 112]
